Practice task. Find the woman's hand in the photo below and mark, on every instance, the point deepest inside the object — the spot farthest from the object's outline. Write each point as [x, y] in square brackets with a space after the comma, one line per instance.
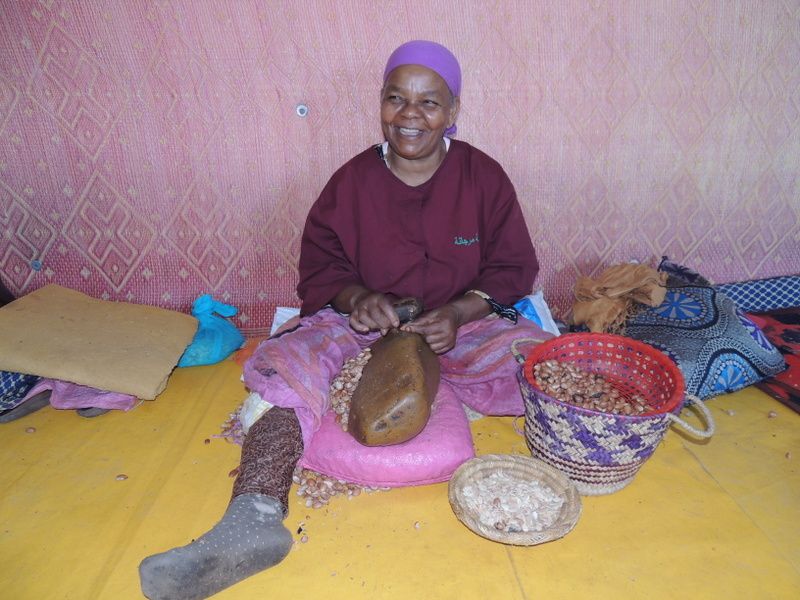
[438, 327]
[369, 311]
[373, 312]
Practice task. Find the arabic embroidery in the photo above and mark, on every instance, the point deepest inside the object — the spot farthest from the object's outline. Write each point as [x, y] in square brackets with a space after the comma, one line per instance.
[462, 241]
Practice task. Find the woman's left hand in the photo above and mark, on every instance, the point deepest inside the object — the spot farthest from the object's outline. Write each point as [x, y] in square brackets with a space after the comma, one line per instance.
[438, 327]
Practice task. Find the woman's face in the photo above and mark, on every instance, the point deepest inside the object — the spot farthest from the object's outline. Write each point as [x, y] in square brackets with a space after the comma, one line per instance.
[416, 109]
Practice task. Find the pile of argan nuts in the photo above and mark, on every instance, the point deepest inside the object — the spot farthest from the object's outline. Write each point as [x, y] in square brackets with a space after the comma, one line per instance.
[568, 383]
[318, 489]
[344, 384]
[512, 504]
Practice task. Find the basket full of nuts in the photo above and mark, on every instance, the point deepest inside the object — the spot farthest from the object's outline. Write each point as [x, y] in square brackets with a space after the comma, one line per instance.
[597, 406]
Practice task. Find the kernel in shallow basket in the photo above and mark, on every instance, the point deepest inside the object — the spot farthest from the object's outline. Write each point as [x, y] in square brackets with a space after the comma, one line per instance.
[523, 469]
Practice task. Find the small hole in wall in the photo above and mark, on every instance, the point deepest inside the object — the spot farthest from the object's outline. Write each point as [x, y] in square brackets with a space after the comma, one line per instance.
[301, 110]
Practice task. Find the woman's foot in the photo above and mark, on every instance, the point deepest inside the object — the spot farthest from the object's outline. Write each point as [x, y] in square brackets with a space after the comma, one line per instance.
[92, 411]
[249, 538]
[30, 405]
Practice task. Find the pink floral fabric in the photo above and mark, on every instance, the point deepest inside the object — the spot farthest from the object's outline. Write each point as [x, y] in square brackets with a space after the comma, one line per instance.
[66, 395]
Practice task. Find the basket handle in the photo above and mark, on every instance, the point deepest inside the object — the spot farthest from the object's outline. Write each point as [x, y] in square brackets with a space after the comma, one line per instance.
[517, 354]
[709, 431]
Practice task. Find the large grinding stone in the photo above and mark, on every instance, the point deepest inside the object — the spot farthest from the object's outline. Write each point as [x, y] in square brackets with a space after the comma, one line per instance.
[392, 402]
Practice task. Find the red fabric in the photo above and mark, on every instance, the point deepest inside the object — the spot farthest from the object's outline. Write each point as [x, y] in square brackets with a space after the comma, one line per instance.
[782, 328]
[463, 229]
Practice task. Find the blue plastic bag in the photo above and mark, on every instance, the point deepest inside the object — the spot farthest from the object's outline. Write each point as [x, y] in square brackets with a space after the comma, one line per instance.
[216, 337]
[534, 308]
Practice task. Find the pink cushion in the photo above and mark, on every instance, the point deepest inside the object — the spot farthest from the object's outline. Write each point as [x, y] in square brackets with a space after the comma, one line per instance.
[430, 457]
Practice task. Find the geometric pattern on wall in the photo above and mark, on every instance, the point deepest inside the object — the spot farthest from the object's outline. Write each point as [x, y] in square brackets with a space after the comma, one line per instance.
[772, 95]
[768, 218]
[7, 97]
[73, 89]
[598, 91]
[24, 236]
[152, 151]
[592, 240]
[181, 89]
[208, 236]
[684, 203]
[109, 233]
[692, 90]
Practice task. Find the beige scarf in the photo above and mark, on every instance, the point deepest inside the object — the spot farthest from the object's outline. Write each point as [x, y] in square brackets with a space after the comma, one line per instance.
[605, 304]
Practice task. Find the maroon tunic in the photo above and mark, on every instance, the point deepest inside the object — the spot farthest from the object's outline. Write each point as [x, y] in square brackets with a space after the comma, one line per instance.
[462, 229]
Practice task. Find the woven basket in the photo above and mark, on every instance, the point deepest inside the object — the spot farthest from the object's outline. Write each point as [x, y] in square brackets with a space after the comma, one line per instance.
[602, 452]
[524, 468]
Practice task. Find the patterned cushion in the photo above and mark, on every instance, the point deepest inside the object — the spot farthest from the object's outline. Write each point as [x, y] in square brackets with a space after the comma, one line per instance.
[758, 295]
[716, 346]
[13, 387]
[682, 275]
[764, 295]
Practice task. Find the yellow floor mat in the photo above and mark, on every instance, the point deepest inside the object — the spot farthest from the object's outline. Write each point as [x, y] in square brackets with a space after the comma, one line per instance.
[701, 520]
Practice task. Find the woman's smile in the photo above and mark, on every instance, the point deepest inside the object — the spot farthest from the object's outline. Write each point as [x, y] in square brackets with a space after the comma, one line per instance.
[410, 132]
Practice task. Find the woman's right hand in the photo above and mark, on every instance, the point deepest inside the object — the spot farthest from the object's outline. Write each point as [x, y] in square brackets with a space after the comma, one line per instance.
[369, 311]
[373, 312]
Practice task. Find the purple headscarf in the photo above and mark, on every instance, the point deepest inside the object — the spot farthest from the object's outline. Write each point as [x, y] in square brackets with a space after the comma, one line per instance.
[433, 56]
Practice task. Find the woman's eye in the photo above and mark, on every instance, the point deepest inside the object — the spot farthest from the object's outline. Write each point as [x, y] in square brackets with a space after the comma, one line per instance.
[394, 99]
[430, 103]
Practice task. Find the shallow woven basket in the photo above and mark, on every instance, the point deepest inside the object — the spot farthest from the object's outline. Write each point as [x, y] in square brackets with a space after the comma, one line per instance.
[527, 469]
[602, 452]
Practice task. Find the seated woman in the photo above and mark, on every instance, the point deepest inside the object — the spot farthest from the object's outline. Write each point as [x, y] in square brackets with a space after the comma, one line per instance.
[421, 215]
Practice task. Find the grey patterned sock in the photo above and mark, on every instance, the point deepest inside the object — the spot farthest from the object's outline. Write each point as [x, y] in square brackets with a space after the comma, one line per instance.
[92, 411]
[30, 405]
[249, 538]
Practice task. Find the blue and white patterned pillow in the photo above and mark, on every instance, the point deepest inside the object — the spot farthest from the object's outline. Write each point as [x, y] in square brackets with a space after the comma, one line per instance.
[763, 295]
[13, 387]
[717, 348]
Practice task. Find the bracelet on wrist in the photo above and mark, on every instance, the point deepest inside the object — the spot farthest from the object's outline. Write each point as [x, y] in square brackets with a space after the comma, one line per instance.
[502, 310]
